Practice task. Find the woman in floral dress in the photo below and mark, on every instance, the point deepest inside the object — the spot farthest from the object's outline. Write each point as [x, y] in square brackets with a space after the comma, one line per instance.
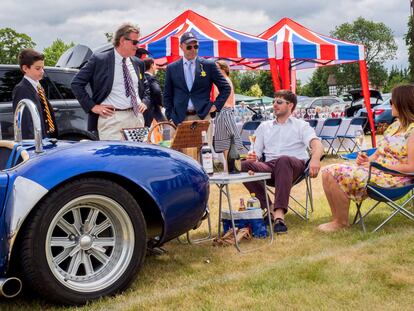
[345, 182]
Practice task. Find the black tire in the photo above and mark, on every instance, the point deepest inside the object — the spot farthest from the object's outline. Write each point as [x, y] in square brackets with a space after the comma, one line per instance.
[41, 269]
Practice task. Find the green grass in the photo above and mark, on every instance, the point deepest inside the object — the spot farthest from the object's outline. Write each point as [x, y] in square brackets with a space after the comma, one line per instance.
[303, 270]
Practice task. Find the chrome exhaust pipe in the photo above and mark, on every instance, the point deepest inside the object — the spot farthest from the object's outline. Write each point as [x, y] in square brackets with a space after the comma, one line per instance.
[10, 287]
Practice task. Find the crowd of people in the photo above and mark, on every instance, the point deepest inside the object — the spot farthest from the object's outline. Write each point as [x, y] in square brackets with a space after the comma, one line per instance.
[125, 93]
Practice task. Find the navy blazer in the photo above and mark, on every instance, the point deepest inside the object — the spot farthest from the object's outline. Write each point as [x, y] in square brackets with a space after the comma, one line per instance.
[177, 95]
[98, 72]
[25, 90]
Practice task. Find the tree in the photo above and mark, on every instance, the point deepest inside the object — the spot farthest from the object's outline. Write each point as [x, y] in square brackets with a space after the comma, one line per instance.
[380, 46]
[409, 41]
[247, 80]
[396, 77]
[55, 50]
[11, 43]
[109, 36]
[265, 82]
[255, 91]
[318, 84]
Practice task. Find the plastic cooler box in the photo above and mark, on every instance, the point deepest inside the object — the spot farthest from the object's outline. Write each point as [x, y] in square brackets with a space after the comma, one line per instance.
[252, 218]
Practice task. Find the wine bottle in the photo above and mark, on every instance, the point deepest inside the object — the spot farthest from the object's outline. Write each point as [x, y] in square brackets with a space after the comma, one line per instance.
[206, 155]
[233, 158]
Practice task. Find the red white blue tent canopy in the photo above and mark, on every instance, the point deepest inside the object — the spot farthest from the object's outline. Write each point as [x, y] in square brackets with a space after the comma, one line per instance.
[297, 47]
[307, 48]
[215, 40]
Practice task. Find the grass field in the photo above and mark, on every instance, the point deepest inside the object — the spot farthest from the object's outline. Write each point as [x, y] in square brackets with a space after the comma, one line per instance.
[303, 270]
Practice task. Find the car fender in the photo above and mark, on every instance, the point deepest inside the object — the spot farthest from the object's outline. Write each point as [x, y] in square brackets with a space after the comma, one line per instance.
[178, 184]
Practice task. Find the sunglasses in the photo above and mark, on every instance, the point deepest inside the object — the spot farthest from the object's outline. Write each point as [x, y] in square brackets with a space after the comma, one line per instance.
[391, 102]
[280, 101]
[134, 42]
[190, 47]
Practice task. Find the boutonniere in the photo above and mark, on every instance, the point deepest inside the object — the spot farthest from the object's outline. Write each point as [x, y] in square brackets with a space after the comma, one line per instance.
[203, 73]
[140, 76]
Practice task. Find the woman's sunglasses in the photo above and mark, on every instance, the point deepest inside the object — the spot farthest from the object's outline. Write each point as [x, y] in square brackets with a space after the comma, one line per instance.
[190, 47]
[391, 102]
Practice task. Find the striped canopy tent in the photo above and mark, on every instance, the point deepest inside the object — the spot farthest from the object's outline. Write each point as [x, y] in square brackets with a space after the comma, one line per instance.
[214, 40]
[297, 47]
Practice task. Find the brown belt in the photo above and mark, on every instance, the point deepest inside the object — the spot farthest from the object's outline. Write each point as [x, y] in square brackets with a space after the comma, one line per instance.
[127, 109]
[191, 113]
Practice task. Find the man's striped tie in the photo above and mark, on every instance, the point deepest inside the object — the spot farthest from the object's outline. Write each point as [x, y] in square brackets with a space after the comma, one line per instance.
[129, 88]
[50, 126]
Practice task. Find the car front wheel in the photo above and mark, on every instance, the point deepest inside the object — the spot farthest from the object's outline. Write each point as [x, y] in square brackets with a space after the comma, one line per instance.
[87, 239]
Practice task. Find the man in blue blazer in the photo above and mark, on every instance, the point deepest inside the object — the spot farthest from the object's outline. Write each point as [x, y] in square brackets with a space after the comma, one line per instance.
[188, 84]
[119, 89]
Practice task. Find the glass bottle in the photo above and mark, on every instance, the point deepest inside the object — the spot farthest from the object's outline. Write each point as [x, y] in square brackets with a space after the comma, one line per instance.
[233, 158]
[206, 155]
[253, 202]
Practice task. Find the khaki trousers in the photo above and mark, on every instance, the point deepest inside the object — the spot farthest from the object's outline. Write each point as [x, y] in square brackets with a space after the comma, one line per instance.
[110, 128]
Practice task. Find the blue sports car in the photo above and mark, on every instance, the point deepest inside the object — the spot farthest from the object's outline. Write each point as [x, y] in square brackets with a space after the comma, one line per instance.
[76, 218]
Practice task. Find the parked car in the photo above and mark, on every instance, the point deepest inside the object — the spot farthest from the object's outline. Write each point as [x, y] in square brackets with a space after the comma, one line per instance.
[76, 218]
[70, 117]
[324, 101]
[358, 101]
[382, 113]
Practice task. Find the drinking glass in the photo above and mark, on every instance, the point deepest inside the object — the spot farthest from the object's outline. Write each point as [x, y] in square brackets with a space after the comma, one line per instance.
[359, 139]
[252, 139]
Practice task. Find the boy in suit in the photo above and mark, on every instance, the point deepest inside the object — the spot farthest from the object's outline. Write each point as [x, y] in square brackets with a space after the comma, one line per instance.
[32, 66]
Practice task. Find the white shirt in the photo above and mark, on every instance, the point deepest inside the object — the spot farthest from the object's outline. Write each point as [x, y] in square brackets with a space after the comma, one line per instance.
[34, 83]
[186, 63]
[291, 138]
[117, 97]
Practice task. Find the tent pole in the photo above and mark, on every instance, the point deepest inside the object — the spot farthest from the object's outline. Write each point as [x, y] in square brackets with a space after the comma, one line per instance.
[275, 73]
[365, 91]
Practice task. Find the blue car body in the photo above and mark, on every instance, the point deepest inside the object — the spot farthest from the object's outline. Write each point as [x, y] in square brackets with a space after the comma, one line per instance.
[175, 184]
[382, 113]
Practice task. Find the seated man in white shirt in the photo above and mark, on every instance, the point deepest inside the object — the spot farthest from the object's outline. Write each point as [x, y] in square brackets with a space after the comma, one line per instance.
[282, 142]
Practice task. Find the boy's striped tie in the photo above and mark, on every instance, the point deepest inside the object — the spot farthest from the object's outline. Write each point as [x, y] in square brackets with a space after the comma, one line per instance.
[50, 126]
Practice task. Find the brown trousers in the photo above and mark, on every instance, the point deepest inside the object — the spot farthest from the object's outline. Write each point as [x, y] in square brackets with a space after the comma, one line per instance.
[284, 171]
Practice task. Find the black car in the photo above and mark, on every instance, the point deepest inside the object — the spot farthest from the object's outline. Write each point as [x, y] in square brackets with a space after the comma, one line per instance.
[70, 117]
[358, 101]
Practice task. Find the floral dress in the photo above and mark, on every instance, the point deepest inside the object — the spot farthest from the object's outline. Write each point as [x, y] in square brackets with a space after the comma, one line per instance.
[391, 150]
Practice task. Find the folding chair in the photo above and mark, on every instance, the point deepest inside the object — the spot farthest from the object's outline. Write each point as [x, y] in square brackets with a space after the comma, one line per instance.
[329, 132]
[384, 195]
[249, 127]
[388, 196]
[313, 123]
[357, 123]
[308, 195]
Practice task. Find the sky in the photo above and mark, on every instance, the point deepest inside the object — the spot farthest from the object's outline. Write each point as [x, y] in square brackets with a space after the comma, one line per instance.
[86, 21]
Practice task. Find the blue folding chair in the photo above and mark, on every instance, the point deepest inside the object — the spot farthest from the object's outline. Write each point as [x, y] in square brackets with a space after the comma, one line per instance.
[312, 122]
[349, 134]
[249, 126]
[329, 132]
[390, 196]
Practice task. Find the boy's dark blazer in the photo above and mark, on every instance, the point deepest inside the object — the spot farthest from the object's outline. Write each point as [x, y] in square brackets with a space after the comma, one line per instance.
[25, 90]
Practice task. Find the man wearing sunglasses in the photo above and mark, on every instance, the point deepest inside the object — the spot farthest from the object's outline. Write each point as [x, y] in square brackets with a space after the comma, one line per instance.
[188, 84]
[120, 93]
[282, 143]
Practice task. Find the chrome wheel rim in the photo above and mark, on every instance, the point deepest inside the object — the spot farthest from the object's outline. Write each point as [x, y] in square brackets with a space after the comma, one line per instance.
[89, 243]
